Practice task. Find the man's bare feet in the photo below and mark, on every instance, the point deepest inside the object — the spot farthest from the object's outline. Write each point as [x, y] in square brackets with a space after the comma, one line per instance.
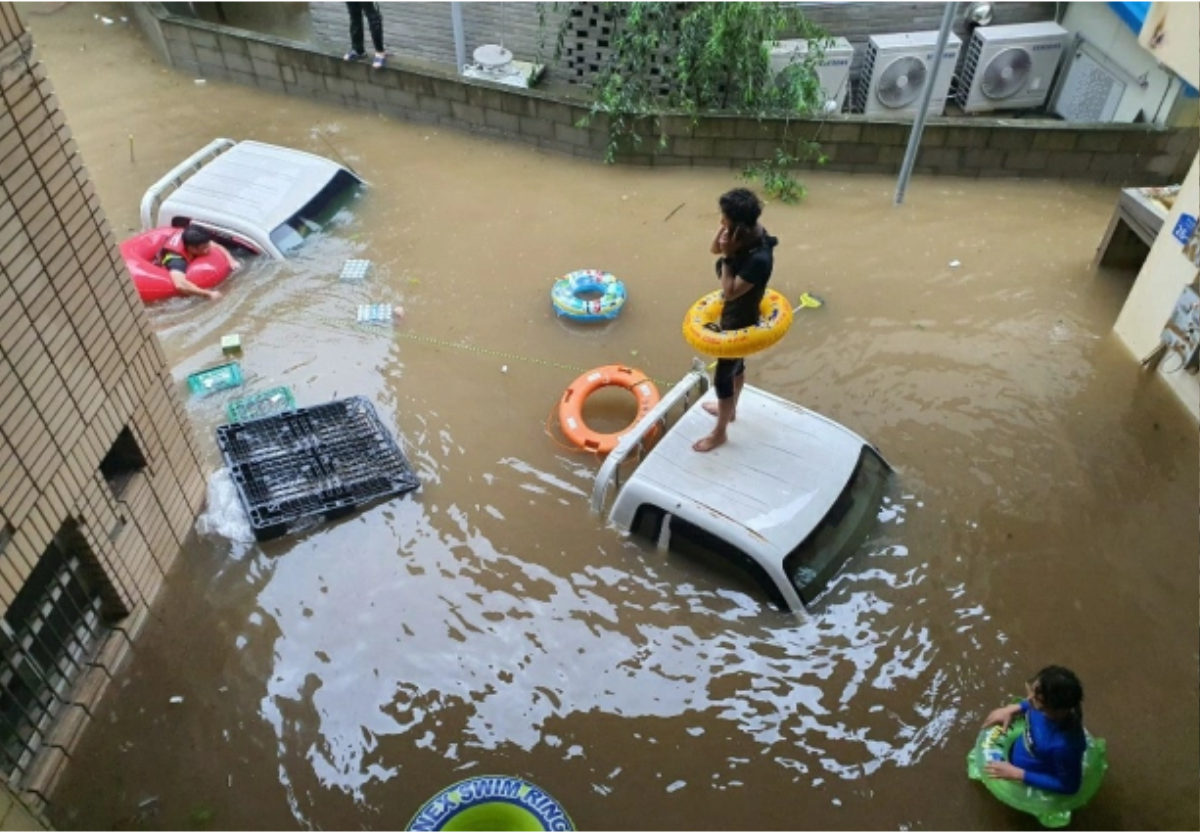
[711, 409]
[713, 440]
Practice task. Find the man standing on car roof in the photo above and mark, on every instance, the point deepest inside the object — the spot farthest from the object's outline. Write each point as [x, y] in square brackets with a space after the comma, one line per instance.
[744, 267]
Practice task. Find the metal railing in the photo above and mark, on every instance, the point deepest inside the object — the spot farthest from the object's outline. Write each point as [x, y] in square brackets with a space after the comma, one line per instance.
[609, 476]
[179, 174]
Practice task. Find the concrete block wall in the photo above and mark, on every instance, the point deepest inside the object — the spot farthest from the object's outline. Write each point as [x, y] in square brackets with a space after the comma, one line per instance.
[423, 30]
[78, 366]
[1121, 154]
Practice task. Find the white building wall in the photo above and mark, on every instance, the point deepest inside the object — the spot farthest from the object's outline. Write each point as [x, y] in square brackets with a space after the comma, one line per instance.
[1100, 26]
[1173, 35]
[1164, 274]
[1170, 34]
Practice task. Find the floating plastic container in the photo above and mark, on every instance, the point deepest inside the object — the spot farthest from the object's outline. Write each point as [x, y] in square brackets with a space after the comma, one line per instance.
[231, 344]
[214, 379]
[267, 403]
[355, 270]
[375, 313]
[313, 464]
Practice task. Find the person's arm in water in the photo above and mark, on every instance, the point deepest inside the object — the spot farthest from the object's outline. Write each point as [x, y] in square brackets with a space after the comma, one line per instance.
[234, 263]
[176, 267]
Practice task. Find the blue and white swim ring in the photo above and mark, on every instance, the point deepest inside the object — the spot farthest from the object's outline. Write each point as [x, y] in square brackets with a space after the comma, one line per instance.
[569, 295]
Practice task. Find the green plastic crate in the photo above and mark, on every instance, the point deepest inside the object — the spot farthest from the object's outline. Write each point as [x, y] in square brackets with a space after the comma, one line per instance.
[267, 403]
[221, 377]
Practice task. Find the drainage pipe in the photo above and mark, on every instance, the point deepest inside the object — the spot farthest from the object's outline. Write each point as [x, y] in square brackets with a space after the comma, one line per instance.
[914, 137]
[460, 46]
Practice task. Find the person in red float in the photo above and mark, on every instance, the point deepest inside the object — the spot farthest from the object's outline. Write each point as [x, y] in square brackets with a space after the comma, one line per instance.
[181, 249]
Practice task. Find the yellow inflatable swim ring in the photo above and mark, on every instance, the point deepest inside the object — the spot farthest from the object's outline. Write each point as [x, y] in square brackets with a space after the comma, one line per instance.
[702, 327]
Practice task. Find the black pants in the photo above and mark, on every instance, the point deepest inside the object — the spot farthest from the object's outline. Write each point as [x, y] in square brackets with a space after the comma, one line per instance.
[727, 370]
[374, 20]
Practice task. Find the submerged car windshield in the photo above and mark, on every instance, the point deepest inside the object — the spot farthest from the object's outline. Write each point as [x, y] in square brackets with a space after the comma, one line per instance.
[811, 564]
[318, 213]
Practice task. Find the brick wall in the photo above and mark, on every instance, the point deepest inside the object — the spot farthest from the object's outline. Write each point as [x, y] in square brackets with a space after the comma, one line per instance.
[78, 366]
[1124, 154]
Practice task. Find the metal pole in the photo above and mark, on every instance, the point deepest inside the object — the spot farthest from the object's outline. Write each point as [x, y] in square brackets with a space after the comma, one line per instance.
[914, 138]
[460, 46]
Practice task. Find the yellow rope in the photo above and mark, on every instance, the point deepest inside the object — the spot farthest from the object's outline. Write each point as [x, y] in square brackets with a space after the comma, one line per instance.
[376, 329]
[572, 448]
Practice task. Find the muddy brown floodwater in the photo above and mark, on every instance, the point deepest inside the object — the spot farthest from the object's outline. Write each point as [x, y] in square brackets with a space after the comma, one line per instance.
[1044, 508]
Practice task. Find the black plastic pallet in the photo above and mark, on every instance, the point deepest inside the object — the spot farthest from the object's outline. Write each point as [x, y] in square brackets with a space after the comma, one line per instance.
[315, 463]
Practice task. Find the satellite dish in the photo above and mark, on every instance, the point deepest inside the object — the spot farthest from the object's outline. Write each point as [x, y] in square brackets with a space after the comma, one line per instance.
[493, 57]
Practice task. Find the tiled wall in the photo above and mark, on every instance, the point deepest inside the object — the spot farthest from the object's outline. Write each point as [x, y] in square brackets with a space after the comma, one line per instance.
[78, 366]
[14, 814]
[1120, 154]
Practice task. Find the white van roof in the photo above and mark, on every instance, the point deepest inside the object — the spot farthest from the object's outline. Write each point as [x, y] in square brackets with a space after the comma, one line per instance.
[765, 490]
[251, 185]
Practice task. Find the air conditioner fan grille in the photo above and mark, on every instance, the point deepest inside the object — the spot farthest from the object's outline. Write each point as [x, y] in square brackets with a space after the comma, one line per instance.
[1005, 74]
[901, 81]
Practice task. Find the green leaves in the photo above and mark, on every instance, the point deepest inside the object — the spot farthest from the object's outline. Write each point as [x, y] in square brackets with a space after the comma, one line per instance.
[775, 175]
[699, 58]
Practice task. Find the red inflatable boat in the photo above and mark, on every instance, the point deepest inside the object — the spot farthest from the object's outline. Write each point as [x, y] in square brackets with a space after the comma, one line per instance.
[152, 281]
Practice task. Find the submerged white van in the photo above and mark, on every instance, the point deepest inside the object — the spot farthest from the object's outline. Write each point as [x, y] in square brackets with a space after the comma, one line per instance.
[789, 498]
[258, 196]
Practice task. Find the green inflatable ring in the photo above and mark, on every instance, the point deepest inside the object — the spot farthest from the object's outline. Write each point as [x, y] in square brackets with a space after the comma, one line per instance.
[491, 802]
[1053, 810]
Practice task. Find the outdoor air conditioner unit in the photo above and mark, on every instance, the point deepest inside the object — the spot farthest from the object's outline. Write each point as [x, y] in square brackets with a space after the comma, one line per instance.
[833, 70]
[896, 69]
[1010, 67]
[1090, 86]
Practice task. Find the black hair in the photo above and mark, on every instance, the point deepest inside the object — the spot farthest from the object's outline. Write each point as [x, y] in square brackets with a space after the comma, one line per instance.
[194, 236]
[742, 206]
[1060, 690]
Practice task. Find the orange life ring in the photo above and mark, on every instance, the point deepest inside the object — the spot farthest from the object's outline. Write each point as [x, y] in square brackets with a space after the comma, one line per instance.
[570, 407]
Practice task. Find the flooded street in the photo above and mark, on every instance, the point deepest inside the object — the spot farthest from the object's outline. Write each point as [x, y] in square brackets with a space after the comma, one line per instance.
[1043, 511]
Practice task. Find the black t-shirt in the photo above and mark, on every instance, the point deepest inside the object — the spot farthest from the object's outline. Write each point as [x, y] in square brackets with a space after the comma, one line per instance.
[754, 266]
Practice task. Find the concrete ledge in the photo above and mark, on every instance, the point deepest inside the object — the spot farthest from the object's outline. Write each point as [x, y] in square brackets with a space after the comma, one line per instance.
[548, 118]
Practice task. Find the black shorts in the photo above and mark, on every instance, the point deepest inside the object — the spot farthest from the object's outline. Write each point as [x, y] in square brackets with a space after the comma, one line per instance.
[727, 370]
[173, 262]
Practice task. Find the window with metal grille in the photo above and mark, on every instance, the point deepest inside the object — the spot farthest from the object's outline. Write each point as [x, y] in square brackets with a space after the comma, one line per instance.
[46, 638]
